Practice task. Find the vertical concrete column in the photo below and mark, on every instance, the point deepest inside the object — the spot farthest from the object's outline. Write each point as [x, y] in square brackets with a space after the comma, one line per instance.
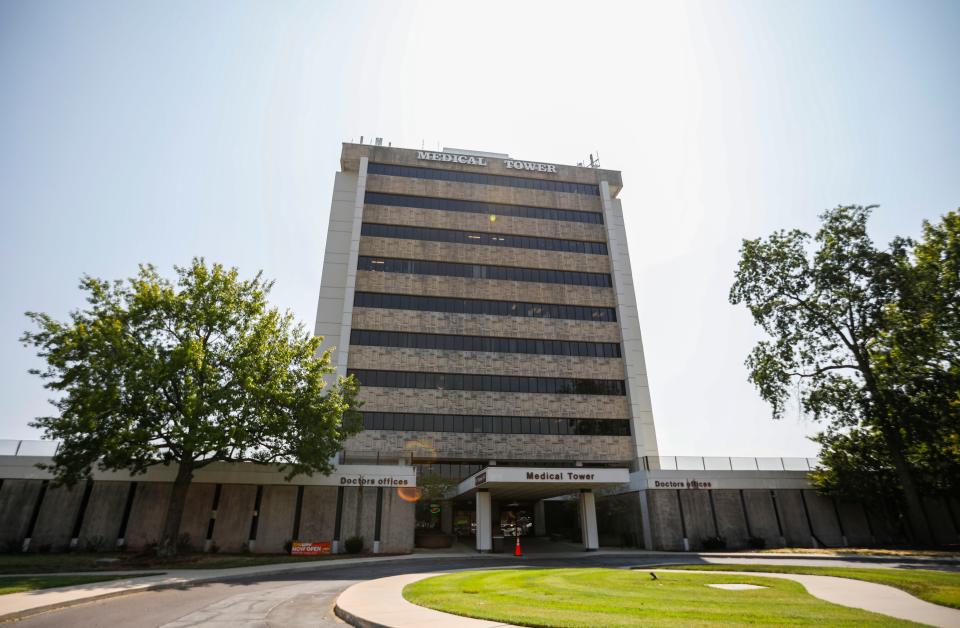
[338, 281]
[645, 520]
[638, 388]
[483, 516]
[588, 521]
[539, 519]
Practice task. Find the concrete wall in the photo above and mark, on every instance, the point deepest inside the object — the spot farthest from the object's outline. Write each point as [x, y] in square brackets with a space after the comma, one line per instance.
[824, 520]
[318, 513]
[196, 514]
[397, 527]
[762, 516]
[939, 515]
[698, 517]
[275, 525]
[855, 524]
[665, 528]
[234, 515]
[730, 517]
[102, 519]
[58, 513]
[147, 514]
[17, 501]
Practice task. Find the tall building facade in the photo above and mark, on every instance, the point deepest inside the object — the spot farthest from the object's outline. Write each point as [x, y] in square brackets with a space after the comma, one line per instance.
[486, 305]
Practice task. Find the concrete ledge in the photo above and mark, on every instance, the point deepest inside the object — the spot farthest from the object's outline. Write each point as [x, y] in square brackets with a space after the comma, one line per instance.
[380, 604]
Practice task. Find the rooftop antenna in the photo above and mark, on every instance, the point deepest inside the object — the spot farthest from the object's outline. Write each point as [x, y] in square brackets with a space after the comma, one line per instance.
[378, 141]
[595, 163]
[361, 139]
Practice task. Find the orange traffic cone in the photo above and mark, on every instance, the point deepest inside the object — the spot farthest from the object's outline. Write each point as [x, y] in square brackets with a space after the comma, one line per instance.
[516, 550]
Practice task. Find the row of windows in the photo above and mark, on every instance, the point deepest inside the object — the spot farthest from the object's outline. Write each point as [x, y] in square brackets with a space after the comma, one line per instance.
[483, 343]
[409, 422]
[483, 271]
[479, 306]
[476, 207]
[417, 172]
[489, 383]
[490, 239]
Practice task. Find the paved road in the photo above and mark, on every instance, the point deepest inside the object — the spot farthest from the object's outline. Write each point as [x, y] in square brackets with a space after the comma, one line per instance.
[307, 598]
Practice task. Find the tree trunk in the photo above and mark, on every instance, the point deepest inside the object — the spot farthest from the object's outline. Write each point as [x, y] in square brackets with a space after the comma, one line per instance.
[178, 501]
[916, 516]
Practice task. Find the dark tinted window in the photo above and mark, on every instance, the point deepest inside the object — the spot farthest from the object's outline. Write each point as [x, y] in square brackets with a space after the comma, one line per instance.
[473, 424]
[482, 271]
[418, 172]
[374, 338]
[482, 238]
[478, 306]
[476, 207]
[488, 383]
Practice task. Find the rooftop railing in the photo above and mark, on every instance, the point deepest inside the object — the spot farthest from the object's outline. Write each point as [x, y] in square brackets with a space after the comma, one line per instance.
[728, 463]
[10, 447]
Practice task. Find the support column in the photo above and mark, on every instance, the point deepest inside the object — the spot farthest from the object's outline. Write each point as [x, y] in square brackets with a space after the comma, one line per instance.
[539, 519]
[484, 535]
[588, 520]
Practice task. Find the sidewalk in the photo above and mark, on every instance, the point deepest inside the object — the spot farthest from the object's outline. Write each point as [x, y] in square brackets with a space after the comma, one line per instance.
[18, 605]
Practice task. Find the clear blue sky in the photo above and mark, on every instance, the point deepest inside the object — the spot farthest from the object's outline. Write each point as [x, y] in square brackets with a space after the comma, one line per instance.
[155, 131]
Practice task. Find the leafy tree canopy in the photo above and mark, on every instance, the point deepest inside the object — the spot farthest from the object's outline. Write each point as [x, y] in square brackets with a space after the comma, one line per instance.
[187, 372]
[869, 340]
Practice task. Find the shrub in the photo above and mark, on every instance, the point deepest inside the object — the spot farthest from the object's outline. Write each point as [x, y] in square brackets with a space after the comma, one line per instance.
[354, 545]
[712, 543]
[757, 542]
[214, 548]
[288, 546]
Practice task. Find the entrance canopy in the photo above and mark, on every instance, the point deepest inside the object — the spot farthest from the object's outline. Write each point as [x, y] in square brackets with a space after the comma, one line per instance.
[534, 483]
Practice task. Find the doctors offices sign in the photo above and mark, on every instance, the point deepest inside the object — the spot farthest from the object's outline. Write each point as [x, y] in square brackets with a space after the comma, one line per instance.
[472, 160]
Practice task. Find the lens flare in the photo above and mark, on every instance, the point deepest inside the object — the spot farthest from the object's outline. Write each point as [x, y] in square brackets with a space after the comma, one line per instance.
[410, 494]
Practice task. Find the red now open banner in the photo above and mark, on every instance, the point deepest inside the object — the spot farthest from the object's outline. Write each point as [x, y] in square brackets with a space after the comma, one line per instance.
[310, 549]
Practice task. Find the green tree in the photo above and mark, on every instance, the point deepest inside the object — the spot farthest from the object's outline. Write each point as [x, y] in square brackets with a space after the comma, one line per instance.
[867, 338]
[189, 373]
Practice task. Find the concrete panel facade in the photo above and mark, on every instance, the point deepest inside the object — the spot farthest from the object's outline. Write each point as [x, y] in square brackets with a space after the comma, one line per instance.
[318, 513]
[483, 363]
[360, 510]
[730, 518]
[823, 517]
[17, 501]
[59, 511]
[234, 515]
[665, 524]
[792, 517]
[102, 519]
[398, 522]
[196, 514]
[698, 517]
[278, 506]
[944, 532]
[762, 516]
[856, 527]
[148, 514]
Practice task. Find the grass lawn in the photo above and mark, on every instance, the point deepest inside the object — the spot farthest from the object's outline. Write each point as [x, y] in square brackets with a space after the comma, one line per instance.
[19, 584]
[939, 587]
[619, 597]
[860, 551]
[59, 563]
